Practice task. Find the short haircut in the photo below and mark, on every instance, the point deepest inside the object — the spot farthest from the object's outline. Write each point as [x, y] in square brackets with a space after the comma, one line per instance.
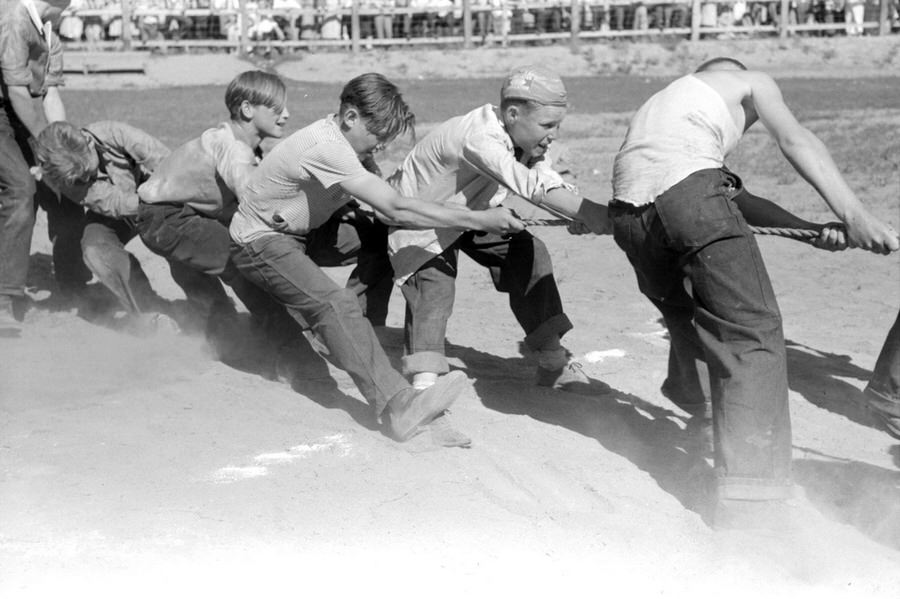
[380, 102]
[720, 61]
[64, 153]
[257, 88]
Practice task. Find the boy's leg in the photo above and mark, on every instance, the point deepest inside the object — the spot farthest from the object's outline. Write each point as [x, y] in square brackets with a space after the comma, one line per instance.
[16, 220]
[429, 294]
[103, 250]
[195, 243]
[883, 390]
[65, 225]
[520, 266]
[739, 324]
[354, 237]
[279, 264]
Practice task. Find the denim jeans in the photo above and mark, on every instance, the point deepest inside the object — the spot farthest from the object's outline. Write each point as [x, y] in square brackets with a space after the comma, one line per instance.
[520, 266]
[288, 268]
[694, 232]
[885, 381]
[19, 198]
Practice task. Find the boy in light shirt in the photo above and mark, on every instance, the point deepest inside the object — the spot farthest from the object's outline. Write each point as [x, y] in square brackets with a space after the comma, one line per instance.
[477, 160]
[283, 233]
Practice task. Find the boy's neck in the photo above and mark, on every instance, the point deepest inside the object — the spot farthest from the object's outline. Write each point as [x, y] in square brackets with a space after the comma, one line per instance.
[246, 132]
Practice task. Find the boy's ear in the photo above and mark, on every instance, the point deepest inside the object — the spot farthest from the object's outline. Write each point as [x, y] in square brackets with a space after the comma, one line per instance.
[246, 110]
[350, 116]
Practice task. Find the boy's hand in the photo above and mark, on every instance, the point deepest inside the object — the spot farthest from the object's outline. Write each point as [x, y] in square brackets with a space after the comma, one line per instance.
[594, 217]
[867, 232]
[832, 237]
[499, 221]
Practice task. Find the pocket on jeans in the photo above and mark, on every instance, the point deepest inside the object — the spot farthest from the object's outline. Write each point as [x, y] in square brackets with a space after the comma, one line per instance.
[694, 222]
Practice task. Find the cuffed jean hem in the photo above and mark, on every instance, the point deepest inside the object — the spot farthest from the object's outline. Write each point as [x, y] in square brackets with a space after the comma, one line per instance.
[753, 489]
[556, 326]
[425, 361]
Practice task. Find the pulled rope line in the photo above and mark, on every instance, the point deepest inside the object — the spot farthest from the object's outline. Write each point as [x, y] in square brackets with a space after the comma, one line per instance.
[802, 234]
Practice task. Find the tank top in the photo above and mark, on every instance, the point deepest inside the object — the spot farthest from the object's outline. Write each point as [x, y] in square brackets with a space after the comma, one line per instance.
[680, 130]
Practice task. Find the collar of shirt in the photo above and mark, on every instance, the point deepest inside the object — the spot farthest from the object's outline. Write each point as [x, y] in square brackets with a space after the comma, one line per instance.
[46, 29]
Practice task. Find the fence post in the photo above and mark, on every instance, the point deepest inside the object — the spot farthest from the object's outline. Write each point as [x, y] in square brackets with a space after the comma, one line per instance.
[242, 16]
[884, 17]
[354, 27]
[784, 19]
[695, 20]
[576, 24]
[126, 24]
[467, 24]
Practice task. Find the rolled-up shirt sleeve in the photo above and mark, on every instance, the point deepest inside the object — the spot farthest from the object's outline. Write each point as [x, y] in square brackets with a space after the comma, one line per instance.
[490, 156]
[55, 66]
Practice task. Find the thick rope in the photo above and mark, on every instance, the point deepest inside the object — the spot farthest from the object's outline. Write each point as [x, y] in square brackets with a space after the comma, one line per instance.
[802, 234]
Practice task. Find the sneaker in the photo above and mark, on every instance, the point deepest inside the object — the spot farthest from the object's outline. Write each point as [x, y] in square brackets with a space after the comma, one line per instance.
[567, 378]
[9, 324]
[412, 409]
[443, 434]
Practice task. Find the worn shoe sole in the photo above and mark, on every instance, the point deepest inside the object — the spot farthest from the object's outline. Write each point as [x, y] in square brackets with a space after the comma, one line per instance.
[427, 404]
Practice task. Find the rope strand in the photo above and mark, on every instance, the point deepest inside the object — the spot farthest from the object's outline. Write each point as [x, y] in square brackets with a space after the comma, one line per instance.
[802, 234]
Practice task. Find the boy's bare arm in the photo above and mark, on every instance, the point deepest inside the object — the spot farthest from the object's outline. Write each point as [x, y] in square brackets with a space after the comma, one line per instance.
[54, 109]
[412, 213]
[811, 159]
[29, 110]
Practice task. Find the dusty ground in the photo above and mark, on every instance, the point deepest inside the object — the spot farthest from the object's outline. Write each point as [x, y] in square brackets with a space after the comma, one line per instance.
[143, 467]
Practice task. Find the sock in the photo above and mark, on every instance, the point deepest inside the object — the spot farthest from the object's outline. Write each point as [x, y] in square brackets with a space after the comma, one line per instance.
[423, 380]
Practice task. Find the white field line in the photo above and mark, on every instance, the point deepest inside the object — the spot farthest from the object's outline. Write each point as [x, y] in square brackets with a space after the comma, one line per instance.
[336, 444]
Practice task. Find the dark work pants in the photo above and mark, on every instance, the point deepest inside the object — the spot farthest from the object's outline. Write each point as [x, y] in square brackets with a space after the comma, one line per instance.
[694, 232]
[19, 198]
[885, 380]
[520, 266]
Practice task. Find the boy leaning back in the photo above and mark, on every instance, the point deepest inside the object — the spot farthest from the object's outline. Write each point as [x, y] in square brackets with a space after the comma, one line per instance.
[281, 236]
[187, 204]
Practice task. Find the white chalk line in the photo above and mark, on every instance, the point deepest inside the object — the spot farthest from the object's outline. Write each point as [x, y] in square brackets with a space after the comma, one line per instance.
[336, 444]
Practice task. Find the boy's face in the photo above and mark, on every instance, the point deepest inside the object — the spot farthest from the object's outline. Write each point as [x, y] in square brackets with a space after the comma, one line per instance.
[269, 122]
[533, 129]
[356, 130]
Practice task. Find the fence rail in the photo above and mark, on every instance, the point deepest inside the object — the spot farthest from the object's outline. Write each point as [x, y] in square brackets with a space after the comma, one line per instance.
[354, 24]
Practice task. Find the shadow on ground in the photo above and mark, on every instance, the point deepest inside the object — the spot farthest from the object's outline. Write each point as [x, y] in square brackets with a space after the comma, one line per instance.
[817, 376]
[864, 496]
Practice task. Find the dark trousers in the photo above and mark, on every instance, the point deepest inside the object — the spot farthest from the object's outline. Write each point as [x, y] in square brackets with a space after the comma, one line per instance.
[520, 266]
[695, 233]
[885, 380]
[19, 198]
[288, 268]
[201, 243]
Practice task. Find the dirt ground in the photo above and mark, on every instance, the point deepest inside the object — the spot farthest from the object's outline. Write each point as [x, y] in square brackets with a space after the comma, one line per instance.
[144, 467]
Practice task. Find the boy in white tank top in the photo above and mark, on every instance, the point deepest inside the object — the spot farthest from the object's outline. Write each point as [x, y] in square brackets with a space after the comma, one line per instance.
[679, 214]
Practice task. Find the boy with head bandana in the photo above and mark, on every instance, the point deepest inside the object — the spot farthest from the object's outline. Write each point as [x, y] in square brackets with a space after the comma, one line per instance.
[476, 160]
[30, 76]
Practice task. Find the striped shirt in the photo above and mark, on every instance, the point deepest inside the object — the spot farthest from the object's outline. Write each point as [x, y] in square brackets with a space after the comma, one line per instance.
[297, 186]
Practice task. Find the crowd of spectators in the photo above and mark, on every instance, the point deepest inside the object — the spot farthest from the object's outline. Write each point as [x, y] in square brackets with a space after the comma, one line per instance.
[152, 20]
